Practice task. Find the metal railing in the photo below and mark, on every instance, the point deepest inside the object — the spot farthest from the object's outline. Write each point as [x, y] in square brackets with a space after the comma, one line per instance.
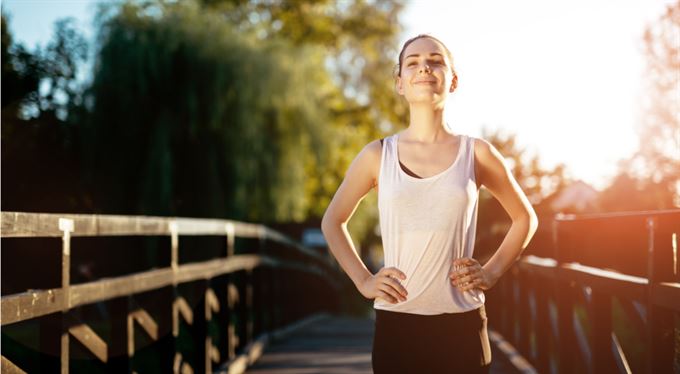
[584, 283]
[258, 289]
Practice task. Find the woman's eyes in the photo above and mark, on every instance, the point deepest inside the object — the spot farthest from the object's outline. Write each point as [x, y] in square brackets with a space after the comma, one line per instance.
[433, 62]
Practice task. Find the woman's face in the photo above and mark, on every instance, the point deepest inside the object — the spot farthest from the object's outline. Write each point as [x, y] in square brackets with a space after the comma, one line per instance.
[426, 75]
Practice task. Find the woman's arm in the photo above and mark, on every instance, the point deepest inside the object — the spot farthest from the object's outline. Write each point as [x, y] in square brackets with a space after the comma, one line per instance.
[498, 179]
[359, 180]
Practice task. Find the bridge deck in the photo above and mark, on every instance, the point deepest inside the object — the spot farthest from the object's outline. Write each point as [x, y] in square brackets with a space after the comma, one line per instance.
[335, 345]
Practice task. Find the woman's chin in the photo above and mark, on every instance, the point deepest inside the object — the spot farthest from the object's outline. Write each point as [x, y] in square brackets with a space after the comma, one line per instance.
[430, 99]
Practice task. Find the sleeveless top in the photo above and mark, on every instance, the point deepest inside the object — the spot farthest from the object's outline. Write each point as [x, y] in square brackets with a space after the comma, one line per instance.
[425, 224]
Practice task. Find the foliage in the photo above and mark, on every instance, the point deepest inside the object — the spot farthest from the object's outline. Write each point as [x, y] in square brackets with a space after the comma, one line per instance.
[38, 140]
[358, 40]
[537, 182]
[254, 108]
[191, 118]
[652, 174]
[20, 72]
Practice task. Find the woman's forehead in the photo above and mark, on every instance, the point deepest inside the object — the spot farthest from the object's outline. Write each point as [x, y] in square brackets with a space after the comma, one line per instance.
[424, 46]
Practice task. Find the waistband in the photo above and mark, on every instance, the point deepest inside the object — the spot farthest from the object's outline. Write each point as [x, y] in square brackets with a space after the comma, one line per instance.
[471, 315]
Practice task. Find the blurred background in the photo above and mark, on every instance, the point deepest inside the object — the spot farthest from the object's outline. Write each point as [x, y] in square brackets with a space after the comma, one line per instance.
[253, 110]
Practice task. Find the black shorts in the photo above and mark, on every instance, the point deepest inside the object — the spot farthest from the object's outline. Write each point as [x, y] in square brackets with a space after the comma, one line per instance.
[424, 344]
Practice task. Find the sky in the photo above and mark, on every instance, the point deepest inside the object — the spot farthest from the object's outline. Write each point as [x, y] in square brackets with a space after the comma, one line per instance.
[565, 76]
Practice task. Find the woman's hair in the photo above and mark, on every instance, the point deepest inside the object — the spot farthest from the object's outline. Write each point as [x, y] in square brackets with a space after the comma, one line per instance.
[397, 68]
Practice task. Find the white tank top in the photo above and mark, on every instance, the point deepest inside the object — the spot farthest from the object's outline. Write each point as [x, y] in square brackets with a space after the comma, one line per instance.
[425, 224]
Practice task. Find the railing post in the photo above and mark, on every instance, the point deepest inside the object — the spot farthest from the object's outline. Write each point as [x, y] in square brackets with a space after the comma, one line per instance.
[65, 225]
[564, 300]
[231, 297]
[177, 359]
[660, 321]
[259, 289]
[249, 313]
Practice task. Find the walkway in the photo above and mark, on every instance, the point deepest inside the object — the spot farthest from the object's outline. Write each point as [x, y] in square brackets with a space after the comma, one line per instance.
[336, 345]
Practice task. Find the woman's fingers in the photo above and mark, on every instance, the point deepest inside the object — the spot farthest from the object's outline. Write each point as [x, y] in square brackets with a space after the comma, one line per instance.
[465, 273]
[474, 284]
[389, 283]
[394, 272]
[464, 261]
[386, 296]
[467, 278]
[397, 286]
[389, 289]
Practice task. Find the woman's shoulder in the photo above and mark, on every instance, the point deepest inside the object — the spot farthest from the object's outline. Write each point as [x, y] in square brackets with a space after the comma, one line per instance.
[374, 147]
[486, 154]
[370, 154]
[482, 147]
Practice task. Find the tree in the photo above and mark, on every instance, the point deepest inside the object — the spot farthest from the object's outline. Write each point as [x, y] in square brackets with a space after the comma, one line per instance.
[650, 179]
[537, 182]
[21, 73]
[360, 51]
[38, 138]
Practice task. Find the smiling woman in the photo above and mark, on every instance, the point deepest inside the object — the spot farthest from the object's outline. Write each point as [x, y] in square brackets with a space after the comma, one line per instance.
[438, 62]
[431, 289]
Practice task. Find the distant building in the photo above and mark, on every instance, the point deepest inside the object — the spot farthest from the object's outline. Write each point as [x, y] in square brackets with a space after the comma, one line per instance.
[578, 197]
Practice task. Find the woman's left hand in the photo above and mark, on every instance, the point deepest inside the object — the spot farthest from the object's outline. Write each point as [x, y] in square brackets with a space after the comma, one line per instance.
[467, 274]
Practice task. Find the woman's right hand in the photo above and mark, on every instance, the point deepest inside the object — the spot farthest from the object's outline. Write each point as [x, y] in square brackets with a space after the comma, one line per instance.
[385, 285]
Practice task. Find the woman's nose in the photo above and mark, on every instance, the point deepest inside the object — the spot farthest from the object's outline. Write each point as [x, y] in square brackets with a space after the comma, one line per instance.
[425, 68]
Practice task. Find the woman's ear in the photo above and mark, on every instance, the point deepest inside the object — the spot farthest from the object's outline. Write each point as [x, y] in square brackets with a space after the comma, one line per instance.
[398, 86]
[454, 83]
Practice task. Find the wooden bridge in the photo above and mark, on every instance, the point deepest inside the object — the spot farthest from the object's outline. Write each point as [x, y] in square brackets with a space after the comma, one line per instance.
[592, 294]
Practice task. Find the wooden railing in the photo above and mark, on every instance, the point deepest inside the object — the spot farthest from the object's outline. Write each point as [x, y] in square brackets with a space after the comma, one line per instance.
[195, 316]
[596, 294]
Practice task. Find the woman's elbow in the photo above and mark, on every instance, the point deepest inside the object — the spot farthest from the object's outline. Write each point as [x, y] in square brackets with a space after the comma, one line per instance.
[529, 218]
[328, 222]
[532, 220]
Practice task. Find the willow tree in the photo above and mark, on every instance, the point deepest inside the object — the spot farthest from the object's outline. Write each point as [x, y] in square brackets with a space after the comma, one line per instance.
[191, 116]
[246, 110]
[359, 42]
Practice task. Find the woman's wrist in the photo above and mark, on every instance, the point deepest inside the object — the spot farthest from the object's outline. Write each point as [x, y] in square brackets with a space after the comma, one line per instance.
[492, 271]
[361, 279]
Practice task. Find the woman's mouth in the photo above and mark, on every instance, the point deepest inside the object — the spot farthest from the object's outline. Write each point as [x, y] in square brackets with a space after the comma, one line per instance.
[425, 82]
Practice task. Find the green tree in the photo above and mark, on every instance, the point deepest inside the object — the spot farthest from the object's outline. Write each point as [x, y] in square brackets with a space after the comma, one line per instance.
[292, 90]
[360, 50]
[21, 73]
[39, 158]
[192, 116]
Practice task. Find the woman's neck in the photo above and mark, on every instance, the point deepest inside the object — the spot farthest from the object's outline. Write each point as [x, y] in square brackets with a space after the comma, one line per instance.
[427, 125]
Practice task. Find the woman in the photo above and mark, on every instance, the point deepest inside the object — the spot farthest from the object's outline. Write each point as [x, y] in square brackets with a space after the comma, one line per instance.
[429, 298]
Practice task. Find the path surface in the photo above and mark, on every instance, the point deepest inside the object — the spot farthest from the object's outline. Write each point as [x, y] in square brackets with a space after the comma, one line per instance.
[335, 345]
